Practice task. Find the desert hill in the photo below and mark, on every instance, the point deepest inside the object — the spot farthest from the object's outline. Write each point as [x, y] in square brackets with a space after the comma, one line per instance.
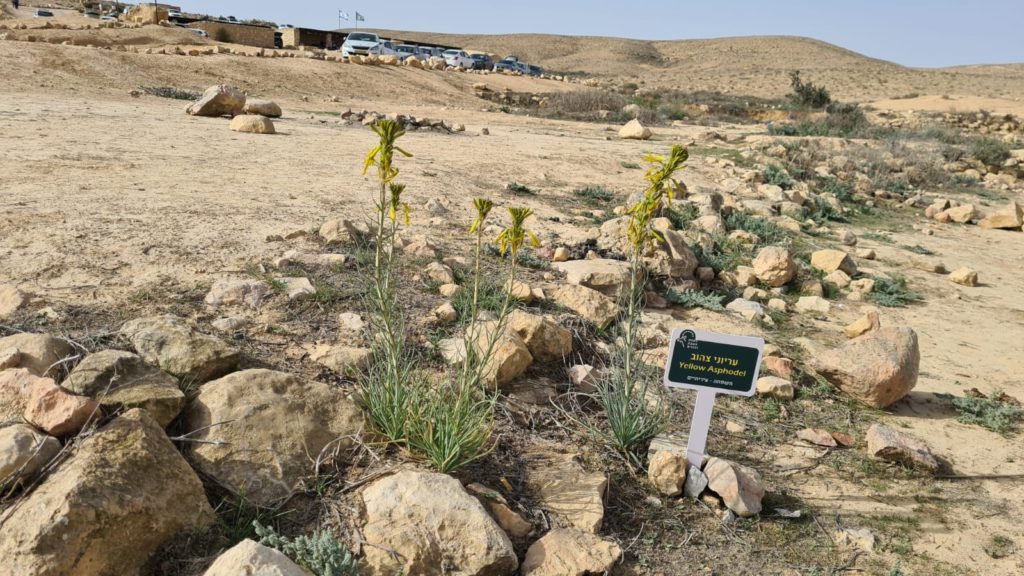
[751, 65]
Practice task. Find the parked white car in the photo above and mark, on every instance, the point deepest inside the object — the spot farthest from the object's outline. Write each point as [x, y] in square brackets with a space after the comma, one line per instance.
[458, 59]
[364, 43]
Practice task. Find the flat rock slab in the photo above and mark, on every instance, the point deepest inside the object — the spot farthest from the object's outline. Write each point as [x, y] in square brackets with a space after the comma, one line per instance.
[118, 379]
[573, 495]
[172, 344]
[888, 444]
[569, 552]
[258, 432]
[38, 352]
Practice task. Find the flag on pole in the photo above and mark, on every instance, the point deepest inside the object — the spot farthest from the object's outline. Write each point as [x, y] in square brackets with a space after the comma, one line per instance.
[342, 15]
[360, 18]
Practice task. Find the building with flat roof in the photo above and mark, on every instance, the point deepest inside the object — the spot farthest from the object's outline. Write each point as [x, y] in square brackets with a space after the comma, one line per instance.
[237, 33]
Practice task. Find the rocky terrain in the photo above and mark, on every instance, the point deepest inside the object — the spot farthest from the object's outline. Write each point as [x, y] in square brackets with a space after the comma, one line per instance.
[188, 338]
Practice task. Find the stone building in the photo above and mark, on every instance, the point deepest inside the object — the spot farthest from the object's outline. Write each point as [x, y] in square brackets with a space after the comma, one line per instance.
[247, 34]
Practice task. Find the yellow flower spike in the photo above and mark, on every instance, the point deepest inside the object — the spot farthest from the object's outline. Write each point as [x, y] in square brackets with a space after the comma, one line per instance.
[513, 237]
[483, 208]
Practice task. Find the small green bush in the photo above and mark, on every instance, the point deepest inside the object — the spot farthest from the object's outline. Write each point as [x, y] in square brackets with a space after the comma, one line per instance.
[991, 413]
[990, 151]
[807, 94]
[767, 231]
[778, 176]
[320, 553]
[695, 299]
[518, 189]
[597, 194]
[892, 293]
[682, 214]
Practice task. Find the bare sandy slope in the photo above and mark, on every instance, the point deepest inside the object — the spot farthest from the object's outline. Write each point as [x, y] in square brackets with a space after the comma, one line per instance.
[756, 65]
[105, 196]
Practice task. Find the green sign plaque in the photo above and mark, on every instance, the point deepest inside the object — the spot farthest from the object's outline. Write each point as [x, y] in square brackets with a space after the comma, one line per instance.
[706, 360]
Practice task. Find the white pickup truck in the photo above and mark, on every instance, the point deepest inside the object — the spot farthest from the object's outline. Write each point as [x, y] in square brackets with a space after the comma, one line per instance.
[365, 43]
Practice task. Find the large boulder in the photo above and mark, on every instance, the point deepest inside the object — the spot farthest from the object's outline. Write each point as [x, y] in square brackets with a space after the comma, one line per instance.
[569, 552]
[250, 558]
[170, 343]
[509, 355]
[681, 261]
[634, 130]
[258, 432]
[252, 124]
[572, 495]
[426, 524]
[544, 338]
[774, 266]
[739, 487]
[38, 352]
[219, 100]
[1011, 217]
[878, 368]
[266, 108]
[123, 493]
[23, 453]
[591, 305]
[119, 379]
[609, 277]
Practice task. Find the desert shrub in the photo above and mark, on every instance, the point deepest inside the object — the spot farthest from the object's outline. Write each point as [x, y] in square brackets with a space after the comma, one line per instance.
[695, 299]
[778, 176]
[918, 249]
[170, 92]
[629, 165]
[807, 94]
[783, 130]
[594, 193]
[723, 254]
[990, 151]
[893, 292]
[832, 185]
[845, 120]
[584, 103]
[681, 214]
[768, 232]
[320, 553]
[953, 153]
[825, 212]
[517, 189]
[995, 414]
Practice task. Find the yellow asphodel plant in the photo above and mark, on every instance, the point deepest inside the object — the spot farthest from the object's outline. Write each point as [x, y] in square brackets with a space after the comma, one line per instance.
[662, 188]
[512, 238]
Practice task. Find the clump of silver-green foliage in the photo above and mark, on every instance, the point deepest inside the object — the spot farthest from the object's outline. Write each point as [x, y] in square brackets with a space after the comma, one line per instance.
[320, 553]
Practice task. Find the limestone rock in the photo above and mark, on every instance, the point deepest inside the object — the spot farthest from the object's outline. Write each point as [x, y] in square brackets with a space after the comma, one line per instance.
[960, 214]
[57, 412]
[123, 493]
[774, 266]
[23, 452]
[1011, 217]
[817, 436]
[439, 273]
[964, 277]
[829, 261]
[252, 124]
[170, 343]
[272, 425]
[888, 444]
[778, 366]
[236, 292]
[609, 277]
[561, 254]
[433, 527]
[667, 472]
[344, 360]
[9, 358]
[445, 314]
[11, 300]
[584, 377]
[118, 379]
[510, 521]
[38, 352]
[634, 130]
[878, 368]
[591, 305]
[574, 496]
[866, 323]
[266, 108]
[813, 304]
[569, 552]
[218, 100]
[739, 487]
[746, 308]
[775, 387]
[544, 338]
[250, 558]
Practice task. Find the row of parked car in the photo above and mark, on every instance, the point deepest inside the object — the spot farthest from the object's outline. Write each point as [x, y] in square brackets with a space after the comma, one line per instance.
[367, 43]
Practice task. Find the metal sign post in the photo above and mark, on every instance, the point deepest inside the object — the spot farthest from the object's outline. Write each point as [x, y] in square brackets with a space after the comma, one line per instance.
[711, 364]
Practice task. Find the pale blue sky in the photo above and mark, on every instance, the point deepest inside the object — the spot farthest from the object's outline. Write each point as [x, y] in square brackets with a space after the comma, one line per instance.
[910, 32]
